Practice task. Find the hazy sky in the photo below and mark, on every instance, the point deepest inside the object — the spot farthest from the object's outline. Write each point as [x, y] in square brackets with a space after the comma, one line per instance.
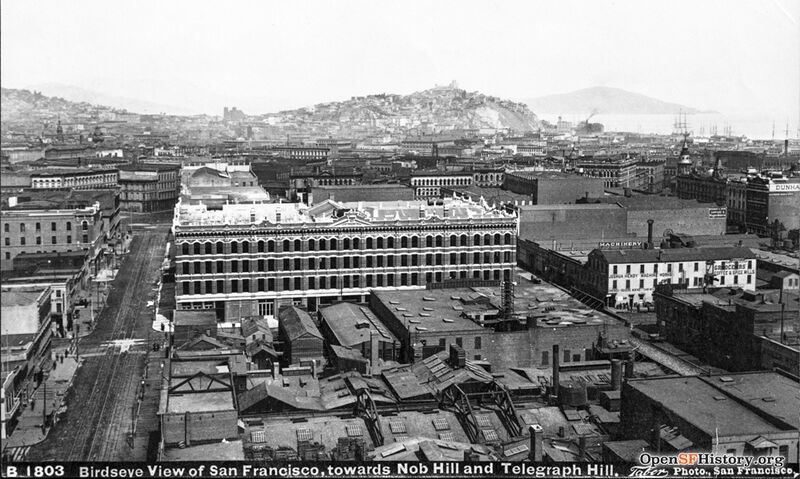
[267, 55]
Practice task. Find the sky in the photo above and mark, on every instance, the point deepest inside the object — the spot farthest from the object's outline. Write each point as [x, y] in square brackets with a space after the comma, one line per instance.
[262, 56]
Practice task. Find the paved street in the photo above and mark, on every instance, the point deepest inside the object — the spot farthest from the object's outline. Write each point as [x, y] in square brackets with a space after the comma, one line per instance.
[100, 406]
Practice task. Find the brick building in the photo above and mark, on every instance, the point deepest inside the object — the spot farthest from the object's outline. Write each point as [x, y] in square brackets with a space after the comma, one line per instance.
[249, 259]
[149, 187]
[731, 328]
[47, 226]
[549, 187]
[740, 414]
[630, 276]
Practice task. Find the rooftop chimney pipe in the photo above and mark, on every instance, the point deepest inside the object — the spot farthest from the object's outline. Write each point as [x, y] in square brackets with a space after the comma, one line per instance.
[537, 436]
[650, 233]
[556, 382]
[616, 374]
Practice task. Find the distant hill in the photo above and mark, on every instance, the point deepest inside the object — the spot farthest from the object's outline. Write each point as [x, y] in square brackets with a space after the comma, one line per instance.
[443, 108]
[605, 100]
[83, 95]
[16, 105]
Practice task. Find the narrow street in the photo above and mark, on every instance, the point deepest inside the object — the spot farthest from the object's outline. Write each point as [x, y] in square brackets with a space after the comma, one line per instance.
[101, 404]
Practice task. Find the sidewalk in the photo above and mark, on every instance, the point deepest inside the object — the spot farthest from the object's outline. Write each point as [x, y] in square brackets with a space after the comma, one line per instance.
[29, 429]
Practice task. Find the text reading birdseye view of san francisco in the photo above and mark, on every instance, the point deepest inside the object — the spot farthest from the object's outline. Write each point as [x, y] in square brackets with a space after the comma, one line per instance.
[365, 239]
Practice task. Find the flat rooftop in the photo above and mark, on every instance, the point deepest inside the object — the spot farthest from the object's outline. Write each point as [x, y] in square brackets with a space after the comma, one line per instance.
[200, 402]
[433, 424]
[331, 212]
[280, 432]
[354, 324]
[699, 405]
[434, 310]
[773, 393]
[551, 305]
[220, 451]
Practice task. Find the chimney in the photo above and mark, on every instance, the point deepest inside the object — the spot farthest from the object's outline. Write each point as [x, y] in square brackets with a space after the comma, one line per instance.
[629, 368]
[616, 374]
[276, 370]
[537, 449]
[650, 233]
[655, 436]
[786, 146]
[582, 447]
[374, 349]
[314, 368]
[555, 370]
[457, 356]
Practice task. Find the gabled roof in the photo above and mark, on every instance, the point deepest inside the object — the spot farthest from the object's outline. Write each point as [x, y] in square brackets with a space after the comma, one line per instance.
[255, 326]
[202, 338]
[297, 323]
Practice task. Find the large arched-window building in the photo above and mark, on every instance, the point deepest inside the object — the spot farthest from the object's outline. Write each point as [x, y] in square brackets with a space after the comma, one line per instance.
[268, 255]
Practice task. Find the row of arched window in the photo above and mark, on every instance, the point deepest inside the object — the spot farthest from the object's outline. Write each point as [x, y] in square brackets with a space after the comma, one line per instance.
[311, 283]
[346, 262]
[345, 244]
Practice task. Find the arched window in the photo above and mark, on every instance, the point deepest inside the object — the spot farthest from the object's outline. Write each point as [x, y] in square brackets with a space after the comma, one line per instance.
[286, 245]
[463, 240]
[323, 244]
[271, 246]
[220, 247]
[297, 245]
[208, 248]
[507, 238]
[185, 248]
[497, 238]
[439, 241]
[429, 241]
[334, 243]
[476, 240]
[453, 240]
[245, 246]
[346, 244]
[415, 241]
[85, 226]
[356, 243]
[487, 240]
[311, 245]
[404, 242]
[260, 246]
[234, 247]
[380, 243]
[390, 242]
[196, 248]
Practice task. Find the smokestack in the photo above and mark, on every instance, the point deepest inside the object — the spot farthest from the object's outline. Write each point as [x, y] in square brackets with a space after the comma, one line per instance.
[616, 374]
[536, 451]
[582, 446]
[655, 436]
[276, 370]
[556, 381]
[629, 368]
[650, 233]
[374, 346]
[786, 146]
